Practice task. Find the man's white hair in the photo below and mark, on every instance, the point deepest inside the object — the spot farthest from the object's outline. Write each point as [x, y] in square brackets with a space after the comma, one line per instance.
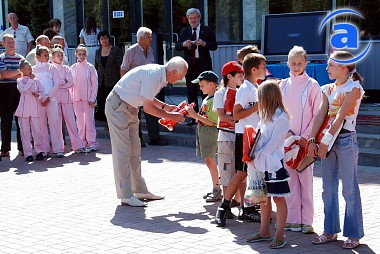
[177, 63]
[193, 10]
[142, 31]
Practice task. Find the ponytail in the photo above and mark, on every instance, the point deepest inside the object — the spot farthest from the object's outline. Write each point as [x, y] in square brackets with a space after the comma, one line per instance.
[357, 77]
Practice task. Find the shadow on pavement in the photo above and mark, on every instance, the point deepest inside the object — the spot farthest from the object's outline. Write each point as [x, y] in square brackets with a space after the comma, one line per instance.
[22, 167]
[135, 218]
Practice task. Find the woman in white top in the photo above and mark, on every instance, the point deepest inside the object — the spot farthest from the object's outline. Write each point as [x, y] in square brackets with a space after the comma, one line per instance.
[341, 102]
[89, 37]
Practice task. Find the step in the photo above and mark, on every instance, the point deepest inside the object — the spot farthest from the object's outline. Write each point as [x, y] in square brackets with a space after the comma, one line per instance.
[174, 139]
[369, 157]
[367, 128]
[366, 140]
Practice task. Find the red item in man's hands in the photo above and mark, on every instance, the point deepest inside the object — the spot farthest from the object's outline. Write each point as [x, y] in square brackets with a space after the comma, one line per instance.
[181, 108]
[248, 139]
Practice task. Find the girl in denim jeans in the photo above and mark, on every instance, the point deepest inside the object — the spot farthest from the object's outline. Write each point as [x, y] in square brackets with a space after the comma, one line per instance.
[341, 101]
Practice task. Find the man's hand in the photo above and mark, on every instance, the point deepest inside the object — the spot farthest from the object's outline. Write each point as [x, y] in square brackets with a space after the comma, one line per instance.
[200, 42]
[187, 44]
[177, 117]
[170, 108]
[35, 95]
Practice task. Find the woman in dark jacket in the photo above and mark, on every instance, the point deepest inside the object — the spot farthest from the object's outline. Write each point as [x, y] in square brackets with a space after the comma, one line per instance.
[107, 63]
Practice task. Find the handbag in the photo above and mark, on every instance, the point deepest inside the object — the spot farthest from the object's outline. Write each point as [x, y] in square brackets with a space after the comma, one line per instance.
[256, 192]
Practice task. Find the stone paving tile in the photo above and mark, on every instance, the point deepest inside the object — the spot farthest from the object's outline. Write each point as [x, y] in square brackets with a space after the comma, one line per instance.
[69, 205]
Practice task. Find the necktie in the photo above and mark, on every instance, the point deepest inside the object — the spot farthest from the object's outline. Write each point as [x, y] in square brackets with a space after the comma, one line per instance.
[193, 47]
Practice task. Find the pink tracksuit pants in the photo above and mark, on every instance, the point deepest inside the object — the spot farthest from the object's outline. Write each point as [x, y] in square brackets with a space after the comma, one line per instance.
[300, 202]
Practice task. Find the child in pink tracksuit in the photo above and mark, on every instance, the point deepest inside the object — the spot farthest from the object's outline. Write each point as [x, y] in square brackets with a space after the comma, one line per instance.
[65, 104]
[84, 91]
[302, 97]
[48, 75]
[28, 110]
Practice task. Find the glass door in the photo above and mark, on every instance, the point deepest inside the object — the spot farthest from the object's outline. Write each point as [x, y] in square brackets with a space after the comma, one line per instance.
[166, 19]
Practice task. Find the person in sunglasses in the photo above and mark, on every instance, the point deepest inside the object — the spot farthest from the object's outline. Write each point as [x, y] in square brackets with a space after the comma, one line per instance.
[21, 34]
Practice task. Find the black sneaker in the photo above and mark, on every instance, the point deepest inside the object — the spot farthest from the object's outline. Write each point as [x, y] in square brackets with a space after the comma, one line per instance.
[29, 158]
[252, 215]
[40, 156]
[220, 217]
[229, 214]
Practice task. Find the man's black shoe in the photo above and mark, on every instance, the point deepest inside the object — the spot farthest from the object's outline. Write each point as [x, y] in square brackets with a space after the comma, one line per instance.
[40, 156]
[220, 217]
[158, 143]
[143, 144]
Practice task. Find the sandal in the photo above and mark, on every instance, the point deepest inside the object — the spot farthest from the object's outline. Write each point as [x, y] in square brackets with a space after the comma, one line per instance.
[277, 244]
[322, 239]
[258, 238]
[350, 244]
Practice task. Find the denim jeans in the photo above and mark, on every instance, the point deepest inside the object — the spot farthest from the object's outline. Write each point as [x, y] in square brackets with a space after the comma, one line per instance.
[343, 157]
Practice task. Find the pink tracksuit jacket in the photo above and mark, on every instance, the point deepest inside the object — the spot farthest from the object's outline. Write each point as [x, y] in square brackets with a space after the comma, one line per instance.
[302, 97]
[84, 90]
[65, 106]
[49, 77]
[28, 113]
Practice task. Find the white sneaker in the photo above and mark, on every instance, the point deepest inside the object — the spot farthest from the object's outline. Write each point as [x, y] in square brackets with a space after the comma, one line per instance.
[93, 148]
[148, 196]
[83, 150]
[132, 201]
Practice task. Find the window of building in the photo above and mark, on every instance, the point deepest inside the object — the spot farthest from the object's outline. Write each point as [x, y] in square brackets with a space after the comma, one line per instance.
[224, 17]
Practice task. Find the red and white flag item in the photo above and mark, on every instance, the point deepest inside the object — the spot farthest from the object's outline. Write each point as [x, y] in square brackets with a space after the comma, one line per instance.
[292, 151]
[229, 103]
[248, 139]
[181, 108]
[295, 155]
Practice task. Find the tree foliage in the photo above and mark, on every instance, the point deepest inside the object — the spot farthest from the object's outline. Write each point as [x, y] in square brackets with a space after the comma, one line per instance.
[34, 14]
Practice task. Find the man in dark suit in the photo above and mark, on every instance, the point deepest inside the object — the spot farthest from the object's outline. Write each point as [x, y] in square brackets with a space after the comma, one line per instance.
[196, 40]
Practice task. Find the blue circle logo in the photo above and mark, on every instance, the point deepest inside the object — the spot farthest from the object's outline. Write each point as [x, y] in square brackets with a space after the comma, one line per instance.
[345, 36]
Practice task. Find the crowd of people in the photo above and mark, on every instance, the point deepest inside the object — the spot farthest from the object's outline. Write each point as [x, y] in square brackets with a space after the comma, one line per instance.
[46, 92]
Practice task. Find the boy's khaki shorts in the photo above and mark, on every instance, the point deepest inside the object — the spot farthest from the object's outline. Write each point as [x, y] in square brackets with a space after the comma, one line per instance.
[226, 161]
[206, 141]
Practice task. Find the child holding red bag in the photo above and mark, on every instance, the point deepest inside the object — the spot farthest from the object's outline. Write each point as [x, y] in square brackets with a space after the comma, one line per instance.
[224, 102]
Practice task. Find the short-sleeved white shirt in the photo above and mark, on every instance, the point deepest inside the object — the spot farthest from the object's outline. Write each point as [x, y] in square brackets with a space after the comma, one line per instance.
[90, 39]
[247, 97]
[219, 104]
[144, 81]
[22, 37]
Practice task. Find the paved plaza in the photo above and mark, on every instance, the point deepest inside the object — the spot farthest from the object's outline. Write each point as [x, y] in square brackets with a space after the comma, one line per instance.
[69, 205]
